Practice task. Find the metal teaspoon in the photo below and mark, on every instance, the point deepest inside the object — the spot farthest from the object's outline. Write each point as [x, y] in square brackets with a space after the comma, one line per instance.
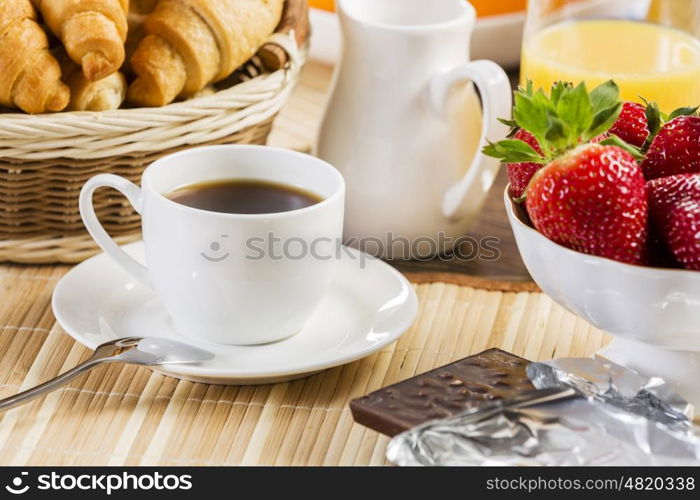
[145, 351]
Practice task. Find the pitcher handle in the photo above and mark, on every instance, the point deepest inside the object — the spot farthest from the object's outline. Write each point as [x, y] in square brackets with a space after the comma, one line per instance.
[496, 99]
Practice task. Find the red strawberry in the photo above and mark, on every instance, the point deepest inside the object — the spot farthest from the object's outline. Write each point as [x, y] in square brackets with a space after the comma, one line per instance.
[631, 126]
[683, 234]
[519, 174]
[674, 209]
[675, 149]
[592, 199]
[656, 253]
[670, 191]
[599, 138]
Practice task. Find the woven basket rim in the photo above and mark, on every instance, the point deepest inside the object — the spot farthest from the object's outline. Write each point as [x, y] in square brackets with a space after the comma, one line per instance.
[123, 113]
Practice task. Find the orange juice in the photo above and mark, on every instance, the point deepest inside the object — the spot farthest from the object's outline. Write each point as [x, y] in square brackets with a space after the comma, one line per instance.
[328, 5]
[483, 8]
[646, 60]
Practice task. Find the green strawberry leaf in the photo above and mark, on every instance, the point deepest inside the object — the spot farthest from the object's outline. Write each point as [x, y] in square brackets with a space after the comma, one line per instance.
[654, 121]
[683, 112]
[614, 140]
[541, 99]
[560, 121]
[604, 96]
[558, 132]
[574, 109]
[527, 90]
[558, 89]
[508, 123]
[602, 121]
[531, 115]
[513, 151]
[521, 198]
[654, 117]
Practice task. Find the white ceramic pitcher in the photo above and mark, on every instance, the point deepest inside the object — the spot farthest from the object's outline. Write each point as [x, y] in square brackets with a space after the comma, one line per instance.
[404, 125]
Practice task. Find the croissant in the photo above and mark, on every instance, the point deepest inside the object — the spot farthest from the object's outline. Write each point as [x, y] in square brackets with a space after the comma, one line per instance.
[143, 6]
[100, 95]
[30, 77]
[192, 43]
[135, 21]
[92, 31]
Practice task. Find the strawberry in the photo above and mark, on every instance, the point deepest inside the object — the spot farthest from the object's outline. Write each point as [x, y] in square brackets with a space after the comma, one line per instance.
[674, 209]
[590, 194]
[593, 200]
[675, 149]
[667, 192]
[631, 126]
[682, 234]
[600, 138]
[519, 174]
[657, 253]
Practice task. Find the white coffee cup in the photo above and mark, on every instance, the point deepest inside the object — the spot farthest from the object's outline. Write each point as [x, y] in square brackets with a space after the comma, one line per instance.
[231, 278]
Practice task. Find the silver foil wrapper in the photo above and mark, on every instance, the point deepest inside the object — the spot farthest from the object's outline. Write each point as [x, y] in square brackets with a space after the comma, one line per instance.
[601, 379]
[613, 416]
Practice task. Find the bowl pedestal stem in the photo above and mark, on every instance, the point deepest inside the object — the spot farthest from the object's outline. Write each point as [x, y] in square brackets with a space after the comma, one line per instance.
[681, 369]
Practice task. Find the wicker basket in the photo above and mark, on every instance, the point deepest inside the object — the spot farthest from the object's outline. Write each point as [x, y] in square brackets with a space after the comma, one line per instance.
[45, 159]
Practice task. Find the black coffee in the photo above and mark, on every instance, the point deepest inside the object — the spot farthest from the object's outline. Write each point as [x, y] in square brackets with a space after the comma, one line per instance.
[232, 196]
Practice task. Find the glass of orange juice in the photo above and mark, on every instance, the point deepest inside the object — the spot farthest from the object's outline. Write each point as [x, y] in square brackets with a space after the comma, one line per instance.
[650, 48]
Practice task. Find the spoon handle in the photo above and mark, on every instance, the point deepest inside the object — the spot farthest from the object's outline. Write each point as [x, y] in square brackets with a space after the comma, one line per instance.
[55, 383]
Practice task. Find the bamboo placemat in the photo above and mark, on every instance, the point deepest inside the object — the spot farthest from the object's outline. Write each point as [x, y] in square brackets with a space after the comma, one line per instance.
[123, 415]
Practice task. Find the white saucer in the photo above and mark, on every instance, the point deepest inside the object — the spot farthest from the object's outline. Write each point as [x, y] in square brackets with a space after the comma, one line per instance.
[366, 309]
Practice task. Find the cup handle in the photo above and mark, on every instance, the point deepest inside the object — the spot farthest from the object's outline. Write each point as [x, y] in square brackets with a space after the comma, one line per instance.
[106, 243]
[496, 99]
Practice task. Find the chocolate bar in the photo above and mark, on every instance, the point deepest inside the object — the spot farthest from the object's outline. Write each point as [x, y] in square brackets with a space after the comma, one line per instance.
[490, 375]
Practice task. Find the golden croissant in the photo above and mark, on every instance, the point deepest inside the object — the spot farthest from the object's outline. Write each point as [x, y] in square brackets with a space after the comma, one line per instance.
[192, 43]
[133, 37]
[143, 6]
[30, 77]
[100, 95]
[92, 31]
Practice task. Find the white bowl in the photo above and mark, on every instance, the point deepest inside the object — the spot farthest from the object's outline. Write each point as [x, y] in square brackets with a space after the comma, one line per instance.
[508, 30]
[653, 313]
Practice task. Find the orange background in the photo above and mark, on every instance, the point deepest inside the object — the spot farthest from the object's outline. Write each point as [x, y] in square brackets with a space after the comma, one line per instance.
[483, 7]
